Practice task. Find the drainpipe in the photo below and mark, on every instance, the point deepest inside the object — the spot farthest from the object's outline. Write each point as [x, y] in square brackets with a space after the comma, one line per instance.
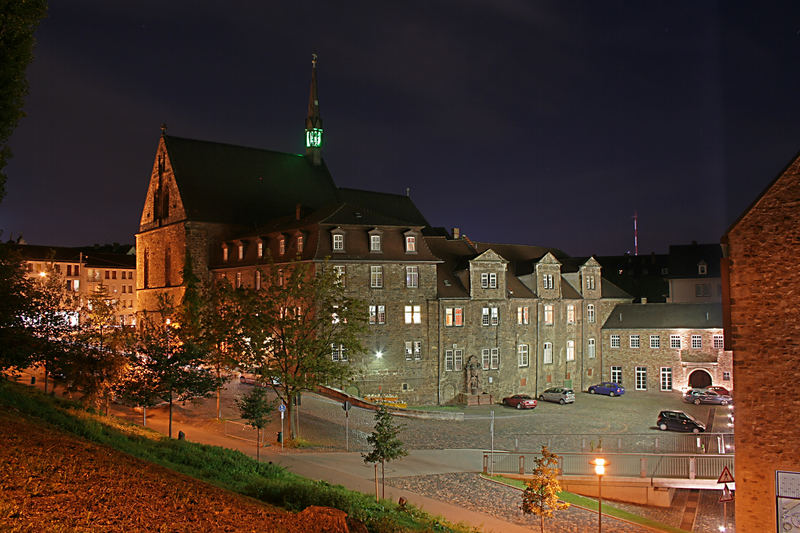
[538, 341]
[439, 354]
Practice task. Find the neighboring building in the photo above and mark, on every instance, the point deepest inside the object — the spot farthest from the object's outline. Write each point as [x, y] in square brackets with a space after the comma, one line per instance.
[761, 251]
[85, 269]
[644, 277]
[663, 347]
[694, 273]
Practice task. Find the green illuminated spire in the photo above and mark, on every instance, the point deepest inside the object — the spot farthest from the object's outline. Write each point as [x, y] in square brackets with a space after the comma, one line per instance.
[313, 120]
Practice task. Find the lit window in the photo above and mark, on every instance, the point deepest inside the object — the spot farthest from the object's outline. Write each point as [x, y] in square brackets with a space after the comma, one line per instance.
[377, 314]
[412, 277]
[409, 349]
[548, 314]
[495, 316]
[411, 244]
[590, 282]
[376, 277]
[300, 244]
[340, 274]
[591, 349]
[655, 341]
[257, 280]
[615, 341]
[523, 315]
[697, 342]
[570, 314]
[238, 280]
[338, 352]
[282, 246]
[485, 356]
[523, 356]
[260, 249]
[413, 314]
[590, 313]
[547, 353]
[338, 242]
[634, 341]
[570, 350]
[241, 251]
[675, 342]
[490, 316]
[417, 349]
[374, 243]
[719, 342]
[454, 316]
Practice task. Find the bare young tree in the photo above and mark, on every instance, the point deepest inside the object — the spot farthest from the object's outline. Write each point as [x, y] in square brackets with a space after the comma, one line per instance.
[540, 496]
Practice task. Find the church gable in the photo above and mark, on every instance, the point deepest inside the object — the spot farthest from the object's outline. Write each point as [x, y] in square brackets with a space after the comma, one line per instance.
[163, 203]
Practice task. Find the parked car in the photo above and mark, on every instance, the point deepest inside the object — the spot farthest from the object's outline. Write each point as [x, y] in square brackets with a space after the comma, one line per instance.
[558, 394]
[520, 401]
[607, 387]
[719, 390]
[679, 421]
[698, 396]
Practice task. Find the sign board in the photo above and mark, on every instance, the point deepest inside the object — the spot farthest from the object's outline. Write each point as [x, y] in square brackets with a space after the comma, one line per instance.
[346, 405]
[725, 476]
[727, 495]
[282, 408]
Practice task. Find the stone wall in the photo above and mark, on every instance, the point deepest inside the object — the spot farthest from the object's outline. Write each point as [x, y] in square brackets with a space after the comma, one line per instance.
[763, 249]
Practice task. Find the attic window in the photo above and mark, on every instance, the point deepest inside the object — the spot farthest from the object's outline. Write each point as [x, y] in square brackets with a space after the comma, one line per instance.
[411, 244]
[702, 268]
[447, 283]
[374, 243]
[338, 242]
[300, 244]
[260, 247]
[282, 246]
[241, 251]
[225, 253]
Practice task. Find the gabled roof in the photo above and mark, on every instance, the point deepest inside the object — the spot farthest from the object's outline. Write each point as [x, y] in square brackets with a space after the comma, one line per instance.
[240, 185]
[64, 254]
[665, 316]
[684, 258]
[397, 206]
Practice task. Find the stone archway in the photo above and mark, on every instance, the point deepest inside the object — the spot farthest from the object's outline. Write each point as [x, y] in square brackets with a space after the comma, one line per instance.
[699, 379]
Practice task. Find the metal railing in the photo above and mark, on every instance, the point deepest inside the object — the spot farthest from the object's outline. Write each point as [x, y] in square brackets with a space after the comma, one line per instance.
[642, 465]
[658, 442]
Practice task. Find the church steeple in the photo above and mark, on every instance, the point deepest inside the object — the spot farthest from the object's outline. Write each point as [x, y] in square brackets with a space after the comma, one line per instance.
[313, 120]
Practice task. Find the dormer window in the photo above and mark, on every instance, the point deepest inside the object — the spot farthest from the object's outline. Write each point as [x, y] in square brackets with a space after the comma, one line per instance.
[547, 281]
[702, 268]
[224, 253]
[260, 248]
[411, 244]
[241, 251]
[300, 244]
[488, 280]
[374, 243]
[590, 283]
[282, 245]
[337, 240]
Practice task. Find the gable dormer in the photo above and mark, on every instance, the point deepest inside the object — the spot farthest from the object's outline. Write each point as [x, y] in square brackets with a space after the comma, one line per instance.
[240, 248]
[548, 277]
[590, 276]
[487, 275]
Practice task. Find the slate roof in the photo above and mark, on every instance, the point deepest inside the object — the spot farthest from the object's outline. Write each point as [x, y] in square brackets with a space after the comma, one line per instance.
[641, 276]
[240, 185]
[396, 206]
[665, 316]
[683, 260]
[64, 254]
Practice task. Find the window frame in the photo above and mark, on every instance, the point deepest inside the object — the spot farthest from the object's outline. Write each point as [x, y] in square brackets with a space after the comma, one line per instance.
[675, 342]
[411, 244]
[590, 314]
[698, 345]
[523, 355]
[412, 276]
[666, 379]
[413, 314]
[635, 341]
[640, 380]
[548, 315]
[570, 350]
[591, 348]
[376, 276]
[375, 244]
[655, 342]
[616, 374]
[718, 341]
[547, 353]
[615, 341]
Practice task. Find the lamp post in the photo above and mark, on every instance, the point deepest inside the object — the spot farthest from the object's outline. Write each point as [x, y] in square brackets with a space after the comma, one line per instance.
[600, 465]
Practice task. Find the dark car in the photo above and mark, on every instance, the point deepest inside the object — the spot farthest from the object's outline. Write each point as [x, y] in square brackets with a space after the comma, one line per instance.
[561, 395]
[607, 387]
[679, 421]
[698, 396]
[520, 401]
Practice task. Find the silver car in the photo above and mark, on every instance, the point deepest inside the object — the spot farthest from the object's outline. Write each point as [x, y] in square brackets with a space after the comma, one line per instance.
[561, 395]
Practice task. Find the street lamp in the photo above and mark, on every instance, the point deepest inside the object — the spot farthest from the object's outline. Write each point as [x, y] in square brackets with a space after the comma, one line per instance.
[600, 465]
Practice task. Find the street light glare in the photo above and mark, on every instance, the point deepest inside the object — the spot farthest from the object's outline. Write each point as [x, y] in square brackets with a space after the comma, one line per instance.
[379, 354]
[599, 469]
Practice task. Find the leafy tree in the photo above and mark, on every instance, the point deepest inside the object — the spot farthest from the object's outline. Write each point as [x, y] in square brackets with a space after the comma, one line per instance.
[165, 363]
[16, 297]
[255, 407]
[291, 325]
[540, 496]
[18, 21]
[386, 446]
[95, 362]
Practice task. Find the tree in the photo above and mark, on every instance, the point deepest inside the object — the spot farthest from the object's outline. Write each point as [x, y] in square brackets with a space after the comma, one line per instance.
[224, 315]
[16, 298]
[95, 362]
[298, 331]
[540, 496]
[165, 362]
[386, 446]
[18, 21]
[255, 407]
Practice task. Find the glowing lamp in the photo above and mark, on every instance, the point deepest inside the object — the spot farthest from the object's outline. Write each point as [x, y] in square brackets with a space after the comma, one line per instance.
[379, 354]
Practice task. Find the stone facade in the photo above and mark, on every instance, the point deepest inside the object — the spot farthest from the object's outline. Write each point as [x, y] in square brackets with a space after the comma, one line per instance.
[761, 251]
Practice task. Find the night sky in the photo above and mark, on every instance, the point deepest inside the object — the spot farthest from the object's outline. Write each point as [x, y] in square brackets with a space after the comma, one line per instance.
[545, 123]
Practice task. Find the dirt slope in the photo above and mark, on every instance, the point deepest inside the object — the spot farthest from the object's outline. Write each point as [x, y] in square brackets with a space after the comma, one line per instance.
[51, 481]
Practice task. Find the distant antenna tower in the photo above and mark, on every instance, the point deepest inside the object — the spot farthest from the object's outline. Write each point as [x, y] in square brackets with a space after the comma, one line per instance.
[635, 233]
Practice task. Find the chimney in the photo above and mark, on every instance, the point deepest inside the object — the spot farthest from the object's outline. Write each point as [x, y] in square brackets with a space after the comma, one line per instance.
[456, 233]
[297, 212]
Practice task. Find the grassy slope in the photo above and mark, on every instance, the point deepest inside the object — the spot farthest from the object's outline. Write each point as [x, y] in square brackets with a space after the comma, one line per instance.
[231, 470]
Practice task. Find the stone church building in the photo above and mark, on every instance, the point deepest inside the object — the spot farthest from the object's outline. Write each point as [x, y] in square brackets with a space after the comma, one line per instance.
[448, 317]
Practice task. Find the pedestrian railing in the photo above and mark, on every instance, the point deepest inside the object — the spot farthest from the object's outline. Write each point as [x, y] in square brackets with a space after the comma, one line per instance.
[643, 465]
[718, 443]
